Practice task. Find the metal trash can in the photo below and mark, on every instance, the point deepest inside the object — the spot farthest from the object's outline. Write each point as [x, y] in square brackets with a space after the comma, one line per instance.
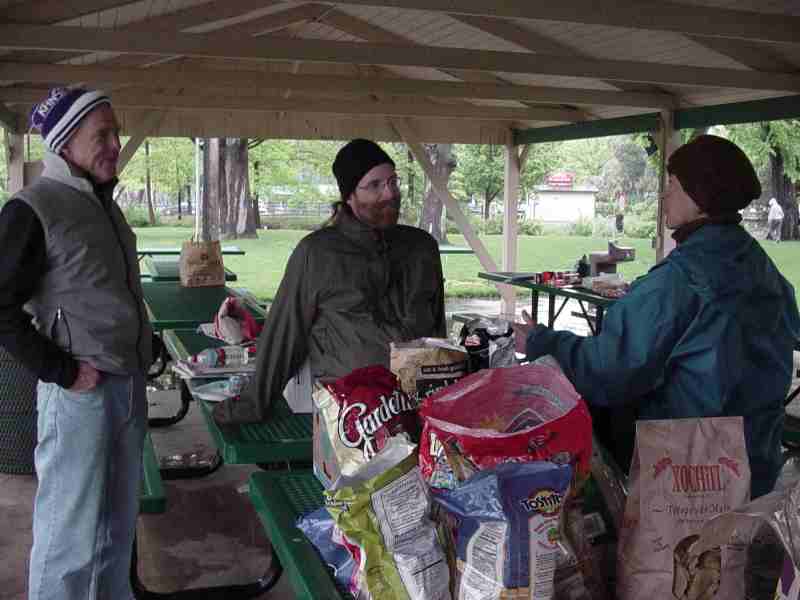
[17, 416]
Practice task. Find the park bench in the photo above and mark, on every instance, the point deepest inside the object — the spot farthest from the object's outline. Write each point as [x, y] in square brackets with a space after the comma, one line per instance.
[280, 497]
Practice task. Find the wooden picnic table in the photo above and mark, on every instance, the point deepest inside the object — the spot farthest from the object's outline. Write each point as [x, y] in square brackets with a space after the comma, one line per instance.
[584, 297]
[170, 305]
[167, 269]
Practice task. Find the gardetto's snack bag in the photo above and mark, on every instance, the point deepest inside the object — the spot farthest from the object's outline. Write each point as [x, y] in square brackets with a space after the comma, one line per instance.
[354, 418]
[684, 472]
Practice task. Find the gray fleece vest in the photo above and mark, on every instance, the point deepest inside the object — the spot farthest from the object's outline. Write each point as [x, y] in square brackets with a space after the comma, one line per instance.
[89, 301]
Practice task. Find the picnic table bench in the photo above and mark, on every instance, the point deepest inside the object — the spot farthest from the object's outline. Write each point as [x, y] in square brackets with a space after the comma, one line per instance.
[279, 499]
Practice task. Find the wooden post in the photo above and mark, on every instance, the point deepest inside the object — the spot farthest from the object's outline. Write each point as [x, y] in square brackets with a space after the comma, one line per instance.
[15, 157]
[405, 131]
[511, 200]
[668, 140]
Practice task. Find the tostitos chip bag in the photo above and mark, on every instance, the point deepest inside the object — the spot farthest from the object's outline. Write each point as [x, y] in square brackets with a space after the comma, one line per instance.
[514, 414]
[502, 530]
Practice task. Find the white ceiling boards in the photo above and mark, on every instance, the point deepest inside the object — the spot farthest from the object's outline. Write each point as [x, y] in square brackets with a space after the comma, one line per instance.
[467, 71]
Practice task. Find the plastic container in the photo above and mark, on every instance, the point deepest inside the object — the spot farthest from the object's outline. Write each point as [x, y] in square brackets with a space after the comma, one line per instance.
[224, 356]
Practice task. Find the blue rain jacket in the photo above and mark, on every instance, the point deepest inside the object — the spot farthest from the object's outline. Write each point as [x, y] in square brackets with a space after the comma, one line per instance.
[709, 331]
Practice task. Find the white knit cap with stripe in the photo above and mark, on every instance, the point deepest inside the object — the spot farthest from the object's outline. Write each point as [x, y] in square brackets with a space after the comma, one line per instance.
[60, 132]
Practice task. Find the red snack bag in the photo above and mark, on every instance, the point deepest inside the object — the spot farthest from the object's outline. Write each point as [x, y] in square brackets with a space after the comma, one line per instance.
[517, 414]
[354, 418]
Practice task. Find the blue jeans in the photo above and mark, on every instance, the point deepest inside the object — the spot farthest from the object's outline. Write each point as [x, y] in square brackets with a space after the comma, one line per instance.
[89, 465]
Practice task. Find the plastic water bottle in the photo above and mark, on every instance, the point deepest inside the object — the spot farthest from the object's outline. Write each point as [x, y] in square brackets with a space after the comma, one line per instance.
[225, 356]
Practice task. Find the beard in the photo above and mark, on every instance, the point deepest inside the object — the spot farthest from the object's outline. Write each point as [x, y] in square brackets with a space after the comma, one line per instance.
[380, 214]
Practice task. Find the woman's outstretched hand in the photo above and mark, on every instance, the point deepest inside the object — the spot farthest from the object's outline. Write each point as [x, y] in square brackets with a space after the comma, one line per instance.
[521, 331]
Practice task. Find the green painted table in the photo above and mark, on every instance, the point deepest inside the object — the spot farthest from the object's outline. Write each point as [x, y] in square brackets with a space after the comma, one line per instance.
[280, 498]
[285, 438]
[448, 249]
[174, 251]
[170, 305]
[584, 297]
[161, 270]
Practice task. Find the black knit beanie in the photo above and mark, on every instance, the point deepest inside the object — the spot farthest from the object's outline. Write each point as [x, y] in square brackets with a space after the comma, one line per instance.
[355, 160]
[716, 174]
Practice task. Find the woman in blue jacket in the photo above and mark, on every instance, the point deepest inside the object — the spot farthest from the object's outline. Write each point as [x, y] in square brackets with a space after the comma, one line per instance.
[709, 331]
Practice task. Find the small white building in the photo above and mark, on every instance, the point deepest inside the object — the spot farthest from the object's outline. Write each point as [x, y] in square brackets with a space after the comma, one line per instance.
[560, 202]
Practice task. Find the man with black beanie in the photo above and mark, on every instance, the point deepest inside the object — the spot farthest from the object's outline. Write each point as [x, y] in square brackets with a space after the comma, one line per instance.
[709, 331]
[350, 288]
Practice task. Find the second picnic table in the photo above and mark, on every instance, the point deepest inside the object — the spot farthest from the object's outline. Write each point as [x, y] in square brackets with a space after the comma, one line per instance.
[583, 296]
[170, 305]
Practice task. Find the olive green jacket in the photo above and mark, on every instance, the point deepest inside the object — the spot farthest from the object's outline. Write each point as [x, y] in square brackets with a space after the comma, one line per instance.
[348, 291]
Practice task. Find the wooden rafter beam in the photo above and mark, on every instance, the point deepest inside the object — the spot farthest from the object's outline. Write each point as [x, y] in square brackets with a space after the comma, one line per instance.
[535, 42]
[220, 45]
[136, 99]
[371, 33]
[179, 20]
[169, 77]
[634, 14]
[45, 12]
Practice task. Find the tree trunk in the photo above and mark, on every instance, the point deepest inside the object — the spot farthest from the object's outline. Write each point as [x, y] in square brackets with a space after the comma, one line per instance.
[241, 210]
[410, 177]
[783, 189]
[209, 211]
[444, 163]
[151, 214]
[256, 208]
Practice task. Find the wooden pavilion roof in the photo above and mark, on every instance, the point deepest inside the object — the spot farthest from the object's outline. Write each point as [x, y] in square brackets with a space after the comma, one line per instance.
[465, 71]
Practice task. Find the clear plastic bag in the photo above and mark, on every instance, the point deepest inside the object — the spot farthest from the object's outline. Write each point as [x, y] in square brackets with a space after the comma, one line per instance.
[769, 527]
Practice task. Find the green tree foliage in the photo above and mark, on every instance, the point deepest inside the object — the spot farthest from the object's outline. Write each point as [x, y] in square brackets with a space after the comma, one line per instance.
[171, 166]
[481, 170]
[295, 172]
[774, 149]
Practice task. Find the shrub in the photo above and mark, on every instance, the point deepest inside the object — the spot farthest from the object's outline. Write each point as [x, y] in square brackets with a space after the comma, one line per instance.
[605, 228]
[295, 223]
[639, 227]
[583, 227]
[137, 216]
[551, 229]
[531, 227]
[493, 226]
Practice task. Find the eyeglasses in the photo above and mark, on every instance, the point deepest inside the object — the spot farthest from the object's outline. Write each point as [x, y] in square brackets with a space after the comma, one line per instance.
[376, 186]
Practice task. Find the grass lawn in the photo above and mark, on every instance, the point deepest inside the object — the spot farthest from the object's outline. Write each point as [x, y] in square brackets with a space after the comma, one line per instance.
[261, 269]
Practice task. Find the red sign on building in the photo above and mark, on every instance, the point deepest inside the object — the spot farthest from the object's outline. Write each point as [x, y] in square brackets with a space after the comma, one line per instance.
[564, 180]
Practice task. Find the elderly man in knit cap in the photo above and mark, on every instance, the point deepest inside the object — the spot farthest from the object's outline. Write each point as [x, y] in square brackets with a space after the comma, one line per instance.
[71, 311]
[350, 288]
[709, 331]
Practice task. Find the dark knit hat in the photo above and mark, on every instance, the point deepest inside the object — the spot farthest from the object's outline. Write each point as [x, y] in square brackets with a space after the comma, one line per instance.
[716, 174]
[60, 114]
[354, 160]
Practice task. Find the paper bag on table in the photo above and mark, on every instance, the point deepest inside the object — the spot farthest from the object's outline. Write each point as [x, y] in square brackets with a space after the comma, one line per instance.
[201, 264]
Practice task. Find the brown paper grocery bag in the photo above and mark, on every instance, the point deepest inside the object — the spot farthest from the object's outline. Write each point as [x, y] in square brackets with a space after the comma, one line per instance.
[201, 264]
